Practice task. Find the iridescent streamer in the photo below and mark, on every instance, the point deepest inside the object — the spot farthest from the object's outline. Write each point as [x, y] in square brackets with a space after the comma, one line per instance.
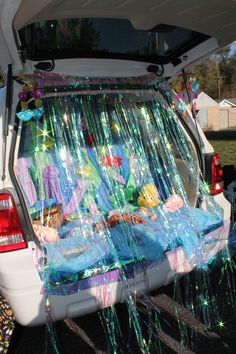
[110, 144]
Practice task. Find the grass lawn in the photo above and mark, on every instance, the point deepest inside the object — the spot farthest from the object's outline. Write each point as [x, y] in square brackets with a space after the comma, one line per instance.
[226, 149]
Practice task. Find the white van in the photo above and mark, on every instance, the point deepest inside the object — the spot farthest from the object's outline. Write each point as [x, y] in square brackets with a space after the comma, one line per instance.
[79, 56]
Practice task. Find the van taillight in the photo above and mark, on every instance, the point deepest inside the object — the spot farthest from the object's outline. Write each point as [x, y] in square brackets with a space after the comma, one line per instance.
[11, 233]
[217, 175]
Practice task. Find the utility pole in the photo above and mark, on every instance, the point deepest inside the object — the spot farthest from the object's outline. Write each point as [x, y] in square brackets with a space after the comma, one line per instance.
[218, 87]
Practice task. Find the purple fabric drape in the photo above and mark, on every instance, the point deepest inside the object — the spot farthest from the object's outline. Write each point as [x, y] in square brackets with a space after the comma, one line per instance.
[53, 190]
[26, 182]
[77, 196]
[52, 184]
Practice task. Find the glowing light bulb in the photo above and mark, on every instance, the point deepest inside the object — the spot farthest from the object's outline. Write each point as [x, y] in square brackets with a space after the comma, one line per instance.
[168, 146]
[63, 153]
[221, 324]
[36, 149]
[205, 302]
[143, 110]
[207, 187]
[45, 133]
[115, 127]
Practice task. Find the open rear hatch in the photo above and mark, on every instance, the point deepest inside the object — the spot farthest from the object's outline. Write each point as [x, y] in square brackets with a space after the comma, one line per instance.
[203, 17]
[135, 30]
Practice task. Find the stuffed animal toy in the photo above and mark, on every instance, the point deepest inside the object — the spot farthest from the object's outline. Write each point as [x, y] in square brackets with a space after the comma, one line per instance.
[148, 198]
[173, 203]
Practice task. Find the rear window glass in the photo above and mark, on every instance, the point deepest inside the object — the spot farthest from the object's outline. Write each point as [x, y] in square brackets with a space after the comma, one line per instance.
[99, 37]
[121, 121]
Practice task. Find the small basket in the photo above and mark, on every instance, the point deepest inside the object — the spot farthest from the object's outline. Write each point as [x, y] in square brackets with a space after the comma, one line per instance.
[50, 217]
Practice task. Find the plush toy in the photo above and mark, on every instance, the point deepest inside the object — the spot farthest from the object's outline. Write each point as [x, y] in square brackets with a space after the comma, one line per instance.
[148, 198]
[173, 203]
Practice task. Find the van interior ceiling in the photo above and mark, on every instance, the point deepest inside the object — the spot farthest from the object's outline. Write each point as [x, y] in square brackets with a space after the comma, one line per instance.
[203, 17]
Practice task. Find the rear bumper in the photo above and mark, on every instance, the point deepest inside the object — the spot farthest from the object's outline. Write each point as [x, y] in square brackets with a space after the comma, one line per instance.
[219, 201]
[21, 285]
[23, 290]
[28, 303]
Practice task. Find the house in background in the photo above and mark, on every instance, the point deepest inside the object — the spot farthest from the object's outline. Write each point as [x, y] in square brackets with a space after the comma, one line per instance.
[215, 115]
[227, 103]
[228, 112]
[207, 112]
